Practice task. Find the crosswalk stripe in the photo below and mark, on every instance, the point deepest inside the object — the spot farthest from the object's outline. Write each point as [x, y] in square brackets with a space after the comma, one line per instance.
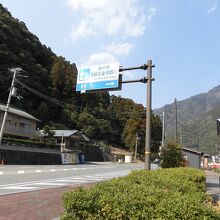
[49, 184]
[20, 171]
[79, 181]
[1, 172]
[67, 181]
[19, 187]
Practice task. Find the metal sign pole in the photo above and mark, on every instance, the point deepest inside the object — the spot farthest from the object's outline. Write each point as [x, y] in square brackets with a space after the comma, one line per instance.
[147, 80]
[148, 115]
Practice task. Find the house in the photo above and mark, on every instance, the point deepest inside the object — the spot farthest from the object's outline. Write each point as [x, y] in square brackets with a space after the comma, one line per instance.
[19, 124]
[192, 157]
[70, 142]
[67, 139]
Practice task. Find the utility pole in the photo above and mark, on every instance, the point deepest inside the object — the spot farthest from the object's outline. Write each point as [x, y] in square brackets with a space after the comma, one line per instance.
[136, 145]
[175, 102]
[163, 129]
[148, 115]
[14, 71]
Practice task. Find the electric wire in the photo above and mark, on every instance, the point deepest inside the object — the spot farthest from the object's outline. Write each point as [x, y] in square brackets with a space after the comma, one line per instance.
[53, 100]
[187, 129]
[60, 103]
[4, 92]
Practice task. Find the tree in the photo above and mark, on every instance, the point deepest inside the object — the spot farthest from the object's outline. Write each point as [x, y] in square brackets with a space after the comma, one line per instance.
[132, 127]
[49, 132]
[171, 155]
[88, 124]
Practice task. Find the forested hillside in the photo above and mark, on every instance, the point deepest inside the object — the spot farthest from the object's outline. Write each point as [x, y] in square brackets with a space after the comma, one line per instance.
[102, 117]
[196, 120]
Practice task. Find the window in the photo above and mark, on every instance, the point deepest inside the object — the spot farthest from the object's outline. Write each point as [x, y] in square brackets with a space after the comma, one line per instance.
[8, 122]
[22, 125]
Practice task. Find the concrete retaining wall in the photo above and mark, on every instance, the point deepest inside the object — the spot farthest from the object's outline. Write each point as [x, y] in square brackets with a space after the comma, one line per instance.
[25, 155]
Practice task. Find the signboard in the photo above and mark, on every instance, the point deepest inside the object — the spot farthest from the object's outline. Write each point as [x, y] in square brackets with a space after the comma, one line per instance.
[98, 77]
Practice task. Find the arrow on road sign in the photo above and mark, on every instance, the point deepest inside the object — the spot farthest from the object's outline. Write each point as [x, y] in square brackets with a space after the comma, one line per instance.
[110, 84]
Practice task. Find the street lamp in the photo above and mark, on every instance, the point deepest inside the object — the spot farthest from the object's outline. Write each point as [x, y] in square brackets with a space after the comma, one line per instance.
[11, 92]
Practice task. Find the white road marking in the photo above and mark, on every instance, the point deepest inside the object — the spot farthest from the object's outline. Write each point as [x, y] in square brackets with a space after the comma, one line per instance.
[20, 171]
[72, 181]
[49, 184]
[1, 172]
[38, 171]
[20, 187]
[56, 182]
[53, 170]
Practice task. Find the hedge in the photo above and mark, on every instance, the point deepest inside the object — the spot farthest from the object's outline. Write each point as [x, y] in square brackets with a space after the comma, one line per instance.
[29, 143]
[177, 193]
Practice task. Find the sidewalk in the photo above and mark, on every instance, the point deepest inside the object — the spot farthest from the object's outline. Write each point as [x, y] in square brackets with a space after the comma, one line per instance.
[213, 184]
[47, 204]
[36, 205]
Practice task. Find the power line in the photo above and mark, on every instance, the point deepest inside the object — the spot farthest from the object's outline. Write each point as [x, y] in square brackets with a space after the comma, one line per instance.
[4, 92]
[60, 103]
[187, 129]
[53, 100]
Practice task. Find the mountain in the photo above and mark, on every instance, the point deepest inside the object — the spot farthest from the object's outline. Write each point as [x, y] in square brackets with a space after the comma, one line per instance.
[49, 92]
[196, 118]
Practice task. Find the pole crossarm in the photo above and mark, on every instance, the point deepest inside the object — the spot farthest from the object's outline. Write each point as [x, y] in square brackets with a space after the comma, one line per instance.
[142, 67]
[142, 80]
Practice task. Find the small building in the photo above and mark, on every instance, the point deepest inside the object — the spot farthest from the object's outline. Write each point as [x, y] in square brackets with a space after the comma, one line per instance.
[67, 139]
[69, 142]
[19, 124]
[192, 157]
[121, 155]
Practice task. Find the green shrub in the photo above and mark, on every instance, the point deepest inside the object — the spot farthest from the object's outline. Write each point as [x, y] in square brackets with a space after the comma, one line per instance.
[177, 193]
[171, 155]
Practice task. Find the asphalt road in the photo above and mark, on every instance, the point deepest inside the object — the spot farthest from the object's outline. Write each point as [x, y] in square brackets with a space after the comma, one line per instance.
[15, 178]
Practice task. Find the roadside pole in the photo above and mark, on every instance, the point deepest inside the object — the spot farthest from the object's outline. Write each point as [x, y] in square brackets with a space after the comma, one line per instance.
[163, 129]
[148, 115]
[147, 80]
[14, 70]
[136, 145]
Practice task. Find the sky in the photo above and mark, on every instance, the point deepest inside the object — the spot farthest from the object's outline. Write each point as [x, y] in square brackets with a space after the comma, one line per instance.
[182, 38]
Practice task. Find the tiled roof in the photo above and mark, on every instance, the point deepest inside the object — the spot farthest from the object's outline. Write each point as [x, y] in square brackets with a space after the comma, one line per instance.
[65, 133]
[18, 112]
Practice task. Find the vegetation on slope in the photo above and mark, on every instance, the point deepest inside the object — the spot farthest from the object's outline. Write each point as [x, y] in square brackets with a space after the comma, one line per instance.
[102, 117]
[196, 121]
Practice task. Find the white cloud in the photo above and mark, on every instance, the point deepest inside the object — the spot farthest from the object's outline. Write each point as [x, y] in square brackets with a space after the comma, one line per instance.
[82, 31]
[212, 7]
[109, 54]
[119, 49]
[100, 58]
[150, 14]
[109, 17]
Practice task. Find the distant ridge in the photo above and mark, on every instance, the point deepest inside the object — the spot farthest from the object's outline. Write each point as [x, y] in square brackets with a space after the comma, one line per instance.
[196, 120]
